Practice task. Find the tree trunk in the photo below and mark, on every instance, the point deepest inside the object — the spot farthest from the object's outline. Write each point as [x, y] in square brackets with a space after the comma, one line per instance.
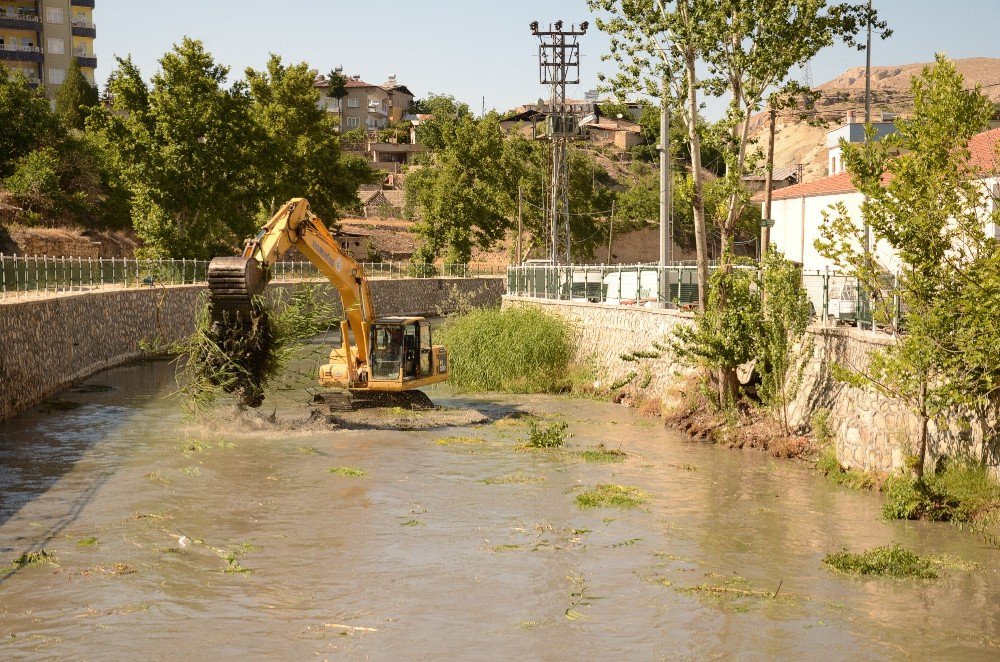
[918, 467]
[729, 385]
[698, 201]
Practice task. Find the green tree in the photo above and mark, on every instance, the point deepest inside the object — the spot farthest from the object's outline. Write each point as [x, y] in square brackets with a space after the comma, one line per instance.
[26, 118]
[931, 213]
[338, 85]
[189, 151]
[447, 115]
[76, 97]
[462, 196]
[299, 154]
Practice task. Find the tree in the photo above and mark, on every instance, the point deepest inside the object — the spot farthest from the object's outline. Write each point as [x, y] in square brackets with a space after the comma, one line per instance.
[189, 152]
[446, 114]
[299, 154]
[338, 85]
[75, 98]
[656, 48]
[925, 206]
[26, 118]
[462, 196]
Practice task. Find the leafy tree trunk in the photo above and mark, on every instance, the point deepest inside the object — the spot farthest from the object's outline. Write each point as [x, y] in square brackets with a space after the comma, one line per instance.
[697, 200]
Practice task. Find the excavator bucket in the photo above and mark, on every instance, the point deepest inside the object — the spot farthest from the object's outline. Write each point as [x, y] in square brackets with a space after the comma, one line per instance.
[233, 282]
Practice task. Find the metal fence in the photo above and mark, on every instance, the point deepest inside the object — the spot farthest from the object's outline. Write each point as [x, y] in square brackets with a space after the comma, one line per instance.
[834, 297]
[38, 275]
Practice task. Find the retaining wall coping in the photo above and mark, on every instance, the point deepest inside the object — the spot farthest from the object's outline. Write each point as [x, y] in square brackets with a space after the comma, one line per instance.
[587, 305]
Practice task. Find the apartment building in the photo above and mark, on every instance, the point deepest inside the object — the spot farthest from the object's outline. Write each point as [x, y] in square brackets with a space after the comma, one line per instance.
[39, 38]
[366, 105]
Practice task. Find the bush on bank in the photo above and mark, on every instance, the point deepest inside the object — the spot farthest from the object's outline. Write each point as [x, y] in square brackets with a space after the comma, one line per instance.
[517, 350]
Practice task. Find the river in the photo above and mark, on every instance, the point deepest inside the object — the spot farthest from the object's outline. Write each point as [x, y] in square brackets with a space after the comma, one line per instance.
[170, 541]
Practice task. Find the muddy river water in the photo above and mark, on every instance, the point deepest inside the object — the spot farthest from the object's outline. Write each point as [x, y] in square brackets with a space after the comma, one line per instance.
[171, 541]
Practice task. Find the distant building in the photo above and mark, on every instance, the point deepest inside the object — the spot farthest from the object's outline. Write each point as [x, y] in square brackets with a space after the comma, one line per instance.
[40, 38]
[366, 105]
[382, 203]
[780, 178]
[852, 131]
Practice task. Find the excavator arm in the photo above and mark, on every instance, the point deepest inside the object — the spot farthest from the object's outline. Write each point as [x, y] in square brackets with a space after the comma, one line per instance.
[234, 282]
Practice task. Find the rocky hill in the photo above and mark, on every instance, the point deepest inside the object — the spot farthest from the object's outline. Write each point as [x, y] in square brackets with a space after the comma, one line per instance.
[800, 137]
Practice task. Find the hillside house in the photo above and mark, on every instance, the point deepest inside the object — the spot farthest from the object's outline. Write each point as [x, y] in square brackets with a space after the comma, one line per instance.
[382, 203]
[366, 105]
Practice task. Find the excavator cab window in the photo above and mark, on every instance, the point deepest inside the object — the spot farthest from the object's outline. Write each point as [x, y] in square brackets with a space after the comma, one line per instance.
[425, 348]
[387, 351]
[411, 350]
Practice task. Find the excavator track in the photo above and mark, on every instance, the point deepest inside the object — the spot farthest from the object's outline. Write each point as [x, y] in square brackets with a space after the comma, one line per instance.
[233, 282]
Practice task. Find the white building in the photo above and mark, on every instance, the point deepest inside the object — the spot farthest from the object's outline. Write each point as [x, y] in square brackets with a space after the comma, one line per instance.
[852, 132]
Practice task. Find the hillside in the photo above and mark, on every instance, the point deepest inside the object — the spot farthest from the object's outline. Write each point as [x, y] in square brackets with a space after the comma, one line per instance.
[802, 140]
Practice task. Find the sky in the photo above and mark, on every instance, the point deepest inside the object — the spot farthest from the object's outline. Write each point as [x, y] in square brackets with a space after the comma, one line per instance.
[470, 49]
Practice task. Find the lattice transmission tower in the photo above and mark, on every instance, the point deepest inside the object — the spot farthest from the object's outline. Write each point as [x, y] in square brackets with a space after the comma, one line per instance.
[559, 66]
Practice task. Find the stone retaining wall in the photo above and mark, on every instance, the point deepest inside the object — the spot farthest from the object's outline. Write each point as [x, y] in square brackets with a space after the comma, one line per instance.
[47, 344]
[871, 432]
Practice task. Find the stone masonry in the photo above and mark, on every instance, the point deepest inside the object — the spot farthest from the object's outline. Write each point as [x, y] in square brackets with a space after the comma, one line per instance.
[871, 432]
[47, 344]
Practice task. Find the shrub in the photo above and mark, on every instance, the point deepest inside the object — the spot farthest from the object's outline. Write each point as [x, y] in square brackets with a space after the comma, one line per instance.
[611, 496]
[517, 350]
[541, 435]
[958, 492]
[888, 561]
[830, 466]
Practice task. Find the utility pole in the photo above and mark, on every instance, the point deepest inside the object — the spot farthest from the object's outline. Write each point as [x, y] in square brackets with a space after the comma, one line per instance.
[559, 66]
[765, 230]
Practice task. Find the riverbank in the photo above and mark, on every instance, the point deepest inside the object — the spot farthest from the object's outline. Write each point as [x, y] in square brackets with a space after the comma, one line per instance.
[446, 543]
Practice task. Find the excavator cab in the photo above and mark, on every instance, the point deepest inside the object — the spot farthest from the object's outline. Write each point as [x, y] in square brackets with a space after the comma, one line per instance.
[403, 356]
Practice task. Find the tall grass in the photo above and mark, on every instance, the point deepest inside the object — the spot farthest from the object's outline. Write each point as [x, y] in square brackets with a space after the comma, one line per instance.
[516, 350]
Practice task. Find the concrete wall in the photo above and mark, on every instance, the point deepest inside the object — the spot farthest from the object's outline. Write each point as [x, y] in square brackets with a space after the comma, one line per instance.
[871, 432]
[47, 344]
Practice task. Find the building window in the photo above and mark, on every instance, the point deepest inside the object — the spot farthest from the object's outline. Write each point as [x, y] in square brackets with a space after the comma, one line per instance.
[56, 46]
[55, 15]
[353, 103]
[353, 122]
[57, 76]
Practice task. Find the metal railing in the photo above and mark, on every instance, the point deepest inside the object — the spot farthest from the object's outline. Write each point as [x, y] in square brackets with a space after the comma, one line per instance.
[834, 298]
[40, 275]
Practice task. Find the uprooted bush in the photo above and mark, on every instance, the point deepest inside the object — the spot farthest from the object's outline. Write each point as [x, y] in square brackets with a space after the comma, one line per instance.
[516, 350]
[244, 356]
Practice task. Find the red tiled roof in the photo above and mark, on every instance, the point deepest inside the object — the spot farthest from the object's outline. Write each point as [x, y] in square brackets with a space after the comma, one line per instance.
[357, 83]
[983, 152]
[827, 186]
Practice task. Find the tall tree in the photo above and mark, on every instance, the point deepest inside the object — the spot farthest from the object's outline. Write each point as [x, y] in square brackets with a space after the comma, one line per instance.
[188, 149]
[76, 97]
[338, 85]
[928, 209]
[26, 118]
[299, 154]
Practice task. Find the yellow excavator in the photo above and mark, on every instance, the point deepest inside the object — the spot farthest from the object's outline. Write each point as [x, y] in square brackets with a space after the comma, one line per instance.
[379, 361]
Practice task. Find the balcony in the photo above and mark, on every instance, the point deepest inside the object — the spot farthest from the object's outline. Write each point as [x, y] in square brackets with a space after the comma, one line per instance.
[13, 53]
[19, 20]
[82, 3]
[84, 28]
[85, 59]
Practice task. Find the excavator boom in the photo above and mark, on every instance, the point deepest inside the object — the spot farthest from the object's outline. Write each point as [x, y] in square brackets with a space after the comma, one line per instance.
[235, 284]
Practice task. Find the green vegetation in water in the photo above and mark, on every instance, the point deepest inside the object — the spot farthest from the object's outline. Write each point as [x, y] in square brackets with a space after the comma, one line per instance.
[193, 446]
[515, 350]
[308, 450]
[607, 495]
[232, 557]
[245, 357]
[34, 558]
[602, 455]
[86, 542]
[459, 441]
[736, 592]
[547, 435]
[894, 561]
[412, 522]
[191, 471]
[506, 548]
[957, 492]
[829, 466]
[226, 444]
[353, 472]
[512, 479]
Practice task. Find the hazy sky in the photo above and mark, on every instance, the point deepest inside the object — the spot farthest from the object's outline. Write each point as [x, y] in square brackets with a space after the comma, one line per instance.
[468, 48]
